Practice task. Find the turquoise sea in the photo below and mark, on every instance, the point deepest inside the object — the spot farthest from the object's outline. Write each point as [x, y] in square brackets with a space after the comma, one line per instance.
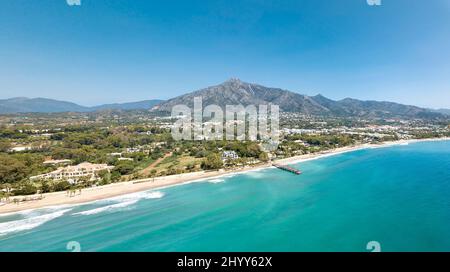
[398, 196]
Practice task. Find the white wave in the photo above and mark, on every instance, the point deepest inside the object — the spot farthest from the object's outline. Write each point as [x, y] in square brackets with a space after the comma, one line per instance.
[152, 195]
[137, 196]
[29, 223]
[255, 174]
[215, 180]
[107, 208]
[121, 202]
[39, 211]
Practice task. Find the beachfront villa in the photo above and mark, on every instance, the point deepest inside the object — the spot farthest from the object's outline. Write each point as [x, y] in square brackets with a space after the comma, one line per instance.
[229, 155]
[75, 172]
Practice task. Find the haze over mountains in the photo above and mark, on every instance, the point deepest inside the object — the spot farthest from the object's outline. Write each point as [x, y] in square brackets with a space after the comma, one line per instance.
[234, 92]
[443, 111]
[44, 105]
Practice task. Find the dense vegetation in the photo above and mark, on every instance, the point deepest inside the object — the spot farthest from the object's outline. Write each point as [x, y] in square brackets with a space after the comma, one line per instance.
[147, 149]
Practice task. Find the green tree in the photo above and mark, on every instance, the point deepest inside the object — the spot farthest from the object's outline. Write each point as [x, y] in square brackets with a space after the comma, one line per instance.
[212, 162]
[11, 169]
[105, 176]
[153, 173]
[44, 186]
[124, 167]
[115, 176]
[25, 188]
[61, 185]
[263, 157]
[4, 146]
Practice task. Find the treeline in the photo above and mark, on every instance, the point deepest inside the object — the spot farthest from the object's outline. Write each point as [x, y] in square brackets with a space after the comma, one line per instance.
[328, 140]
[17, 167]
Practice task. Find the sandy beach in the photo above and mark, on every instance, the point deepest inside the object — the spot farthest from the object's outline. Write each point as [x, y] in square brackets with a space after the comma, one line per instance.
[121, 188]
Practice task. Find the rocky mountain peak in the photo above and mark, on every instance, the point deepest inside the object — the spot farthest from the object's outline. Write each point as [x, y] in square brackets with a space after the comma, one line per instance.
[233, 80]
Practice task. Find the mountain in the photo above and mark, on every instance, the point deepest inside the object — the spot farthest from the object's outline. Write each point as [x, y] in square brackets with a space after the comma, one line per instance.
[354, 107]
[140, 105]
[443, 111]
[23, 104]
[235, 91]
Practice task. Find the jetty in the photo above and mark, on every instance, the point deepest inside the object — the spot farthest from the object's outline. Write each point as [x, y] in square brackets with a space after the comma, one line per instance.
[287, 168]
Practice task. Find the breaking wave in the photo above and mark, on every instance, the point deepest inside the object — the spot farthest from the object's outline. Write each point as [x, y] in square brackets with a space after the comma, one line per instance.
[215, 180]
[137, 196]
[30, 222]
[107, 208]
[121, 202]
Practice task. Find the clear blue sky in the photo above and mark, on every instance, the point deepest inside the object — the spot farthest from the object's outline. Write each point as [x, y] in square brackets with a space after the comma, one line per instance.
[117, 50]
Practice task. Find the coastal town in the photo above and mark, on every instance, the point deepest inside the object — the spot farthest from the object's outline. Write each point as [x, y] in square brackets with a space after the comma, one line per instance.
[44, 153]
[254, 130]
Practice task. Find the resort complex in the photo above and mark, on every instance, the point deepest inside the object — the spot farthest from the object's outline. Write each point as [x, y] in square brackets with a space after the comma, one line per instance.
[74, 173]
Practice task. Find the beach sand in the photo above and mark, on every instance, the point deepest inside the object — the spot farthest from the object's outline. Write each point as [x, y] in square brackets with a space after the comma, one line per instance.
[121, 188]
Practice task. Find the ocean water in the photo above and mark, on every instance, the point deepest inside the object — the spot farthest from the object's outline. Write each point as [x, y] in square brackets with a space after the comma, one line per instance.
[398, 196]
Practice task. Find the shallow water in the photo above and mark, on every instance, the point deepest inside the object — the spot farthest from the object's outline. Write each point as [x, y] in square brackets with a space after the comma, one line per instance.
[398, 196]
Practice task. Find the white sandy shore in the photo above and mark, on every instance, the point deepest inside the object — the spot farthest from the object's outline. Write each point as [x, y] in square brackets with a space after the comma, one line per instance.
[116, 189]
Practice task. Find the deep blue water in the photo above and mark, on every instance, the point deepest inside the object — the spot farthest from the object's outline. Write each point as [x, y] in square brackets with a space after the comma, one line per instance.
[398, 196]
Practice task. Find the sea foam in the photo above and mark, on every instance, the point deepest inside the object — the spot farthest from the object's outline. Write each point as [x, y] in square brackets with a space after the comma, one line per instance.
[29, 222]
[216, 180]
[112, 207]
[137, 196]
[121, 202]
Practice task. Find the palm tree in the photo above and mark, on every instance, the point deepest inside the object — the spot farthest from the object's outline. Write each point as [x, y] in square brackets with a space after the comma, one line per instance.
[6, 194]
[7, 186]
[153, 174]
[78, 187]
[72, 191]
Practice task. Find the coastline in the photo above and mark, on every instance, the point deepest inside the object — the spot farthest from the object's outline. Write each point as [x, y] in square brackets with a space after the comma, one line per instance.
[122, 188]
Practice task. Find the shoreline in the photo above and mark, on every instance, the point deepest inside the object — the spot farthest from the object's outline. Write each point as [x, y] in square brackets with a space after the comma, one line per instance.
[93, 194]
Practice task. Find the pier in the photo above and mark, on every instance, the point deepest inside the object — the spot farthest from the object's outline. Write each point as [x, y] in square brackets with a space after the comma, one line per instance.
[287, 168]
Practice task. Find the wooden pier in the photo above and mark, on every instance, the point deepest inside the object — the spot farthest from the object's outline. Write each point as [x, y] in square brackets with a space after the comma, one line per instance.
[287, 168]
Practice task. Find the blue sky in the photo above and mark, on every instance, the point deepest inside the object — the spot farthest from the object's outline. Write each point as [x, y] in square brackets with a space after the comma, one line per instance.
[118, 51]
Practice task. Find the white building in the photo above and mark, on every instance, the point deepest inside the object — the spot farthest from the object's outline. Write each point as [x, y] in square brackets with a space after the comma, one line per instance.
[20, 148]
[54, 162]
[134, 149]
[125, 159]
[73, 173]
[229, 155]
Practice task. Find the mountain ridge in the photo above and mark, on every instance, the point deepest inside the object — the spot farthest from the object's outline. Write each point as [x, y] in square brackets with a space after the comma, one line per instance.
[46, 105]
[234, 91]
